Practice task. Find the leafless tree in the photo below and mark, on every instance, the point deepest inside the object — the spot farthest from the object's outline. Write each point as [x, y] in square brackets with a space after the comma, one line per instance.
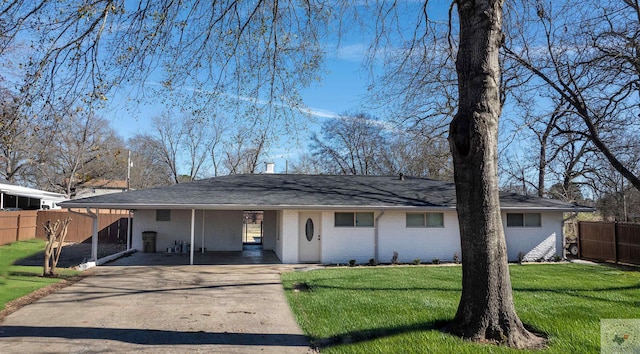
[351, 144]
[587, 57]
[243, 150]
[84, 147]
[55, 232]
[149, 169]
[18, 141]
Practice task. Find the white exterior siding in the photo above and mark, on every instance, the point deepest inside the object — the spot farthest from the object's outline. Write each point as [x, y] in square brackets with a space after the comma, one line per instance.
[544, 242]
[341, 244]
[287, 245]
[269, 230]
[424, 243]
[167, 231]
[222, 229]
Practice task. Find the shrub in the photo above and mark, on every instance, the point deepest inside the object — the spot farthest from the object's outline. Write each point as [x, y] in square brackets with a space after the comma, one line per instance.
[456, 258]
[557, 258]
[520, 257]
[394, 259]
[435, 261]
[372, 262]
[352, 262]
[416, 261]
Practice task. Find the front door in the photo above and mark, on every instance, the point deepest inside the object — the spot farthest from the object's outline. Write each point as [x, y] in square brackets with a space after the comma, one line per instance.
[309, 238]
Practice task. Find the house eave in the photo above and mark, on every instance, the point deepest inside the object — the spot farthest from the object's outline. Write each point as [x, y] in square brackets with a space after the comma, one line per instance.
[143, 206]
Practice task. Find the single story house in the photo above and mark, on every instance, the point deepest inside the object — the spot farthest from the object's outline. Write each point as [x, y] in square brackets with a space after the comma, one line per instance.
[330, 219]
[99, 187]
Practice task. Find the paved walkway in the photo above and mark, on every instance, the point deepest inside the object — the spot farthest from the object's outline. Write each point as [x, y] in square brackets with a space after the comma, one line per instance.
[168, 309]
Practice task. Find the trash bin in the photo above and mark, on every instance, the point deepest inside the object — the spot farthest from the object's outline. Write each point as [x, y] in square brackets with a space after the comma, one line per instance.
[149, 241]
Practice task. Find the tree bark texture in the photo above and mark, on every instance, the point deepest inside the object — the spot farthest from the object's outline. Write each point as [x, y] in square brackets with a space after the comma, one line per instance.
[486, 311]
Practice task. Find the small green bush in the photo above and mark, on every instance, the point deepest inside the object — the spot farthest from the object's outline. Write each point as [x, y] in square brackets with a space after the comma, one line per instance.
[352, 262]
[435, 261]
[394, 259]
[456, 258]
[372, 262]
[416, 261]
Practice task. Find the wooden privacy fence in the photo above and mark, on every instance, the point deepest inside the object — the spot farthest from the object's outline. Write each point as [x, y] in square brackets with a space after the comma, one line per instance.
[112, 225]
[609, 241]
[17, 225]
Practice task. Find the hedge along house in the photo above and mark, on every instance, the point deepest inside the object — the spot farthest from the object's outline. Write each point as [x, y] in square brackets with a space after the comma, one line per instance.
[330, 219]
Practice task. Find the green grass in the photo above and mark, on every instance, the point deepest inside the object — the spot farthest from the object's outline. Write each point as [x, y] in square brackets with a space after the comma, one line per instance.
[400, 309]
[17, 281]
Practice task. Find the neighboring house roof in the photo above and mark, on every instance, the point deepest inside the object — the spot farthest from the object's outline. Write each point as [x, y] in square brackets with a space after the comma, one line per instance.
[290, 191]
[104, 184]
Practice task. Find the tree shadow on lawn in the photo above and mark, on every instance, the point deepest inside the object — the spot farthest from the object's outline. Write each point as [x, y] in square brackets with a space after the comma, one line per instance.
[586, 293]
[377, 333]
[441, 326]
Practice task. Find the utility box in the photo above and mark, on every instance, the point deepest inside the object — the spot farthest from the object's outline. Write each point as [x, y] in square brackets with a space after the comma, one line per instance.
[149, 241]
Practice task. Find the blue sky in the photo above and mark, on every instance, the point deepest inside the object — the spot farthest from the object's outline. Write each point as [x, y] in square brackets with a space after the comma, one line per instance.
[342, 89]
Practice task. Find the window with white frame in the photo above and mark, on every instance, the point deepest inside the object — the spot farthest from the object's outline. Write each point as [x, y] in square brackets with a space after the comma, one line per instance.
[524, 220]
[425, 219]
[364, 219]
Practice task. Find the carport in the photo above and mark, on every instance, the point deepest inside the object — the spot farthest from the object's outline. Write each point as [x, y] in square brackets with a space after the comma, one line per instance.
[214, 236]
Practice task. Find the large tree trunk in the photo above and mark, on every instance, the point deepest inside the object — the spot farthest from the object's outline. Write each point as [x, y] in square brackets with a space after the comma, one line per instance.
[486, 311]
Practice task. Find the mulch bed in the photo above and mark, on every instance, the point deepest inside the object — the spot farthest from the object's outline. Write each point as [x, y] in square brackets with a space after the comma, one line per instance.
[74, 254]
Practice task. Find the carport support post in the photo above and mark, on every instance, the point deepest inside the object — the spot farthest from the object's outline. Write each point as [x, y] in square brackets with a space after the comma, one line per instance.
[193, 227]
[94, 236]
[128, 230]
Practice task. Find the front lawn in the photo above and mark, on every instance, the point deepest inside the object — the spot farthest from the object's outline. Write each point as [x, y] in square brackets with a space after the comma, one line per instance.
[17, 281]
[400, 309]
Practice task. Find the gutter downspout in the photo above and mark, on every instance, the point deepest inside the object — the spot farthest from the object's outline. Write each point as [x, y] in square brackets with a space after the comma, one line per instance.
[375, 241]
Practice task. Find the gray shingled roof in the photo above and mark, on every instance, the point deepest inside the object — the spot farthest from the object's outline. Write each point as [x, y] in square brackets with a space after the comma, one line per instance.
[288, 191]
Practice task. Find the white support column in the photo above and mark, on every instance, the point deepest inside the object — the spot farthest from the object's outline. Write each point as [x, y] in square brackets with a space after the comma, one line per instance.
[202, 244]
[193, 225]
[129, 230]
[94, 236]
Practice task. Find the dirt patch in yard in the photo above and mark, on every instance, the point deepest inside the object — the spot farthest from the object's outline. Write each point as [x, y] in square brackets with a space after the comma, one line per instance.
[74, 254]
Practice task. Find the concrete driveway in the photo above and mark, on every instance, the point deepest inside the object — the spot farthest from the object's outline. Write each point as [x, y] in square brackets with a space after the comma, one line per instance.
[168, 309]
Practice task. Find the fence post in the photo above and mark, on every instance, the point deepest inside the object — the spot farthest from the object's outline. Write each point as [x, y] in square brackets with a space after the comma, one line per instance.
[578, 239]
[18, 228]
[615, 241]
